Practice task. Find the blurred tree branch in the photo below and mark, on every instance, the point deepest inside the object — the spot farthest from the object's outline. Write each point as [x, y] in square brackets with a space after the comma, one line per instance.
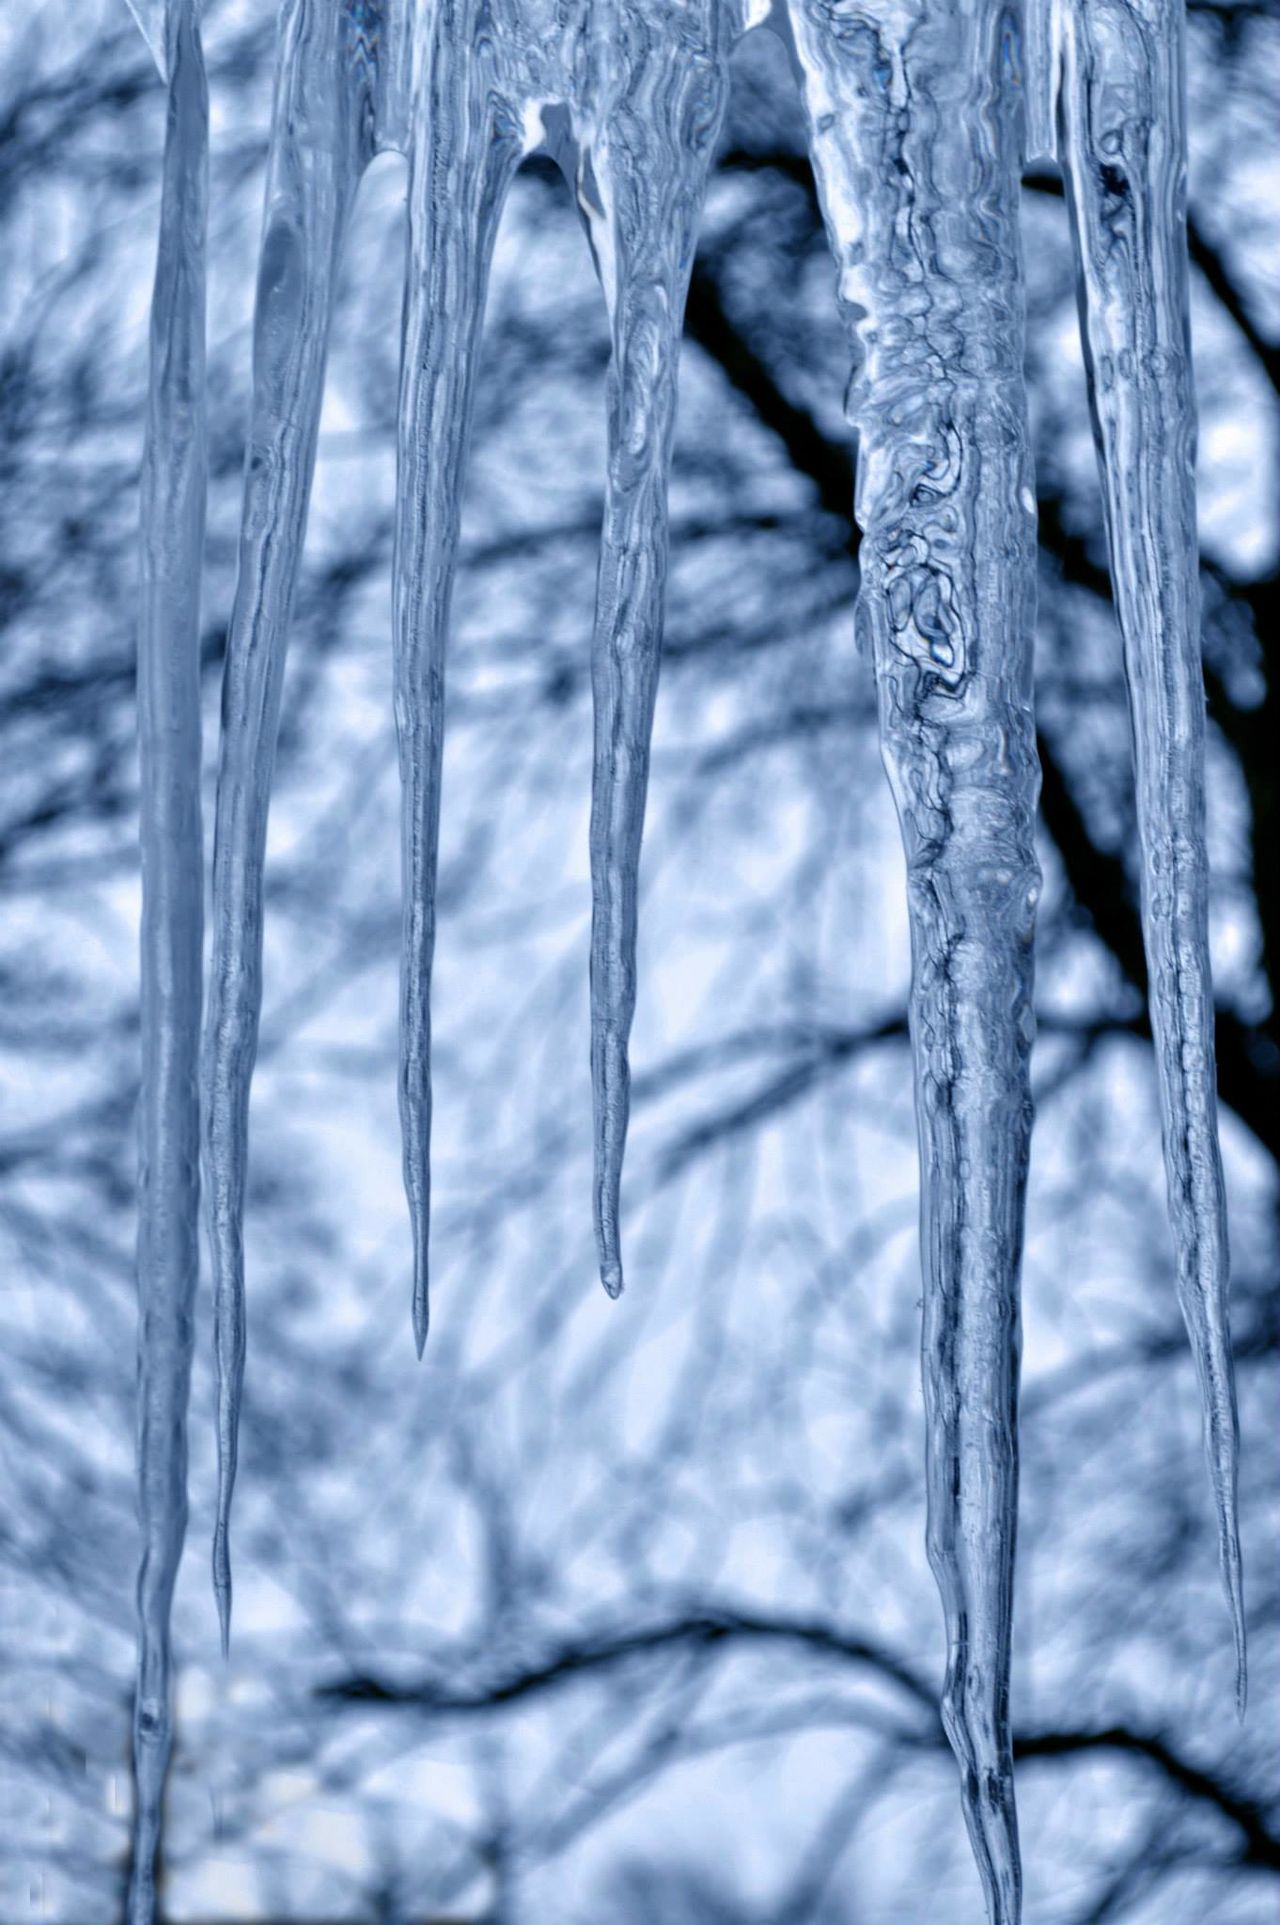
[718, 1634]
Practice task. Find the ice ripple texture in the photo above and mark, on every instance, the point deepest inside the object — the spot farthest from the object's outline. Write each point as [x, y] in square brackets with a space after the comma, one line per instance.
[916, 114]
[916, 141]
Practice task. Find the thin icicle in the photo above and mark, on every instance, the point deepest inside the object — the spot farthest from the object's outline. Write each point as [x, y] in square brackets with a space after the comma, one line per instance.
[1123, 148]
[173, 514]
[642, 180]
[915, 132]
[152, 17]
[321, 139]
[467, 149]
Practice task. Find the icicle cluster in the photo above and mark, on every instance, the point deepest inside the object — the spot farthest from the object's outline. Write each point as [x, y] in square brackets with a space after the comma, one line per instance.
[918, 115]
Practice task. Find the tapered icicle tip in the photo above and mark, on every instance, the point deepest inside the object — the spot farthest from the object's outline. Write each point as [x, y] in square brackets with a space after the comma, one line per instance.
[222, 1587]
[986, 1773]
[421, 1316]
[150, 16]
[608, 1200]
[1222, 1434]
[611, 1104]
[420, 1231]
[1233, 1582]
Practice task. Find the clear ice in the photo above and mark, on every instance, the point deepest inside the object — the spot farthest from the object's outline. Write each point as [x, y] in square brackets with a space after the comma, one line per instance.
[629, 102]
[1123, 150]
[916, 139]
[919, 115]
[173, 513]
[323, 117]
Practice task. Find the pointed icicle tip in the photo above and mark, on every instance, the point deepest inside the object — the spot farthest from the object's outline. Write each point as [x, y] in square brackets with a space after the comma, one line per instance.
[608, 1185]
[222, 1590]
[1235, 1600]
[421, 1319]
[150, 16]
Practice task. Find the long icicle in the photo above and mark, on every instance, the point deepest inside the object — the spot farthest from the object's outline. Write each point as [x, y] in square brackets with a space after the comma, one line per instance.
[916, 135]
[641, 184]
[1123, 149]
[319, 147]
[465, 151]
[173, 516]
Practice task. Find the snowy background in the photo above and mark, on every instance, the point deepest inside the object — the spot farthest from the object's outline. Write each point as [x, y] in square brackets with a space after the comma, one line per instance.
[611, 1612]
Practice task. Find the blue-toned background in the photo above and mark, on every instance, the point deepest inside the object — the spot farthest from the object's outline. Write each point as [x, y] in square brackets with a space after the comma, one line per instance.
[611, 1614]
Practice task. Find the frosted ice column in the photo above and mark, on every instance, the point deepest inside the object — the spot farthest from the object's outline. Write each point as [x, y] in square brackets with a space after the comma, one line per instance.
[322, 134]
[173, 514]
[641, 181]
[916, 138]
[1122, 141]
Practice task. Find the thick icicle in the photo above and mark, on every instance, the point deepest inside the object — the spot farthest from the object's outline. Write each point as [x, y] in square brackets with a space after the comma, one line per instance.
[467, 148]
[173, 514]
[321, 139]
[915, 131]
[1123, 148]
[641, 183]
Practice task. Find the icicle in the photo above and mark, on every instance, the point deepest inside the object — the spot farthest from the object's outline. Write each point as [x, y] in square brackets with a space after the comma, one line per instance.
[152, 16]
[173, 513]
[1123, 146]
[641, 182]
[466, 150]
[915, 131]
[1039, 73]
[323, 118]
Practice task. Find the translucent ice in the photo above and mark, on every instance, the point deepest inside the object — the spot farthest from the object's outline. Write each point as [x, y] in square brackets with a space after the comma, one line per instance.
[173, 513]
[1122, 143]
[327, 92]
[916, 140]
[151, 16]
[918, 114]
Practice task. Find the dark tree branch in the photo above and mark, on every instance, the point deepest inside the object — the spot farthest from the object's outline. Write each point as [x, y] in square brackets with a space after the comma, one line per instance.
[1248, 1059]
[1261, 1844]
[718, 1633]
[827, 464]
[710, 1631]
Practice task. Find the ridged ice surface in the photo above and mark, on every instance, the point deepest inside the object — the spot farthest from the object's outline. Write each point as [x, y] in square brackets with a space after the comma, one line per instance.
[916, 139]
[324, 111]
[1122, 144]
[918, 114]
[628, 99]
[173, 513]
